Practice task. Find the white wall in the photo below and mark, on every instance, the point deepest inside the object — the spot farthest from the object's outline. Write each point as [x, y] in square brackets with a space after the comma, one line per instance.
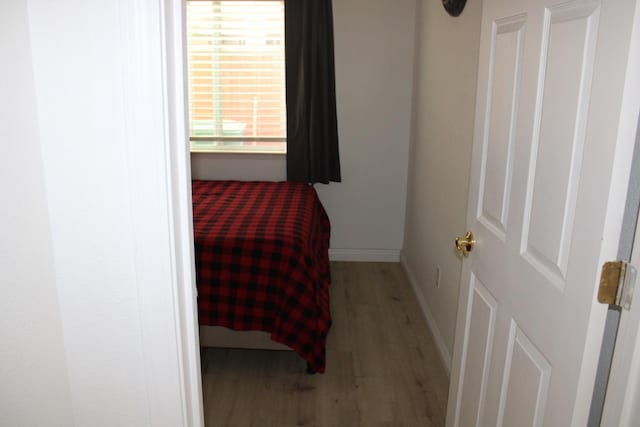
[444, 103]
[86, 227]
[374, 45]
[33, 373]
[78, 79]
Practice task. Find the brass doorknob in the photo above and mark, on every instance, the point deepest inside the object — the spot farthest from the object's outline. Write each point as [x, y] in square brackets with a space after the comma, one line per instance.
[464, 245]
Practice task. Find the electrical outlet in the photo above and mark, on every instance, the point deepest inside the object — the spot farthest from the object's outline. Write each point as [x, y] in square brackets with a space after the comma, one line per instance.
[438, 276]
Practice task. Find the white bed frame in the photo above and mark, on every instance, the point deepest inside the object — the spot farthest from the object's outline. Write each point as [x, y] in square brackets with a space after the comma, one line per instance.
[219, 336]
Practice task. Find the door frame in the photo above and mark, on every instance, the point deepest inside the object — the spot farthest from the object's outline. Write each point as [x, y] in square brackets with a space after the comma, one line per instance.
[161, 37]
[628, 128]
[622, 399]
[622, 396]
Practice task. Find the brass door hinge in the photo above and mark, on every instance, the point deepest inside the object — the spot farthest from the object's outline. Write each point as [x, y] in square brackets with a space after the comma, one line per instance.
[617, 281]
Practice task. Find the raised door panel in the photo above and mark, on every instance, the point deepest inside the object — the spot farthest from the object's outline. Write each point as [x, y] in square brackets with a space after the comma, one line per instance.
[525, 383]
[567, 57]
[478, 344]
[504, 80]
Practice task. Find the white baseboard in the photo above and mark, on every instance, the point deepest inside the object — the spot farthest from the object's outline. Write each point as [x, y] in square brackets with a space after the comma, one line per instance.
[364, 255]
[431, 321]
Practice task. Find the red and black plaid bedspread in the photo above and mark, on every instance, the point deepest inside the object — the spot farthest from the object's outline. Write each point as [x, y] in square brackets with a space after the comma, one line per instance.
[262, 262]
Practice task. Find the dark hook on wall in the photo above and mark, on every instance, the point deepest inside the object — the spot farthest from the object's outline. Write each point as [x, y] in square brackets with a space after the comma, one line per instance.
[454, 7]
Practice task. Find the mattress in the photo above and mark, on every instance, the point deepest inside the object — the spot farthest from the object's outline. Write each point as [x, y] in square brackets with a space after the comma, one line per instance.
[262, 263]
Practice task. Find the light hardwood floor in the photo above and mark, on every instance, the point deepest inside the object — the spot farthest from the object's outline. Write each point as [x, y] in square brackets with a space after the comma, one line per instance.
[382, 368]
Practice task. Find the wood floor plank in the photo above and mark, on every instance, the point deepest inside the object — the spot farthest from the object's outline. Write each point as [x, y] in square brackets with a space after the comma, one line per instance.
[383, 368]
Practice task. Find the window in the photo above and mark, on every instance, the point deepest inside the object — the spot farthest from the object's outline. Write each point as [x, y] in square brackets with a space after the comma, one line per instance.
[236, 75]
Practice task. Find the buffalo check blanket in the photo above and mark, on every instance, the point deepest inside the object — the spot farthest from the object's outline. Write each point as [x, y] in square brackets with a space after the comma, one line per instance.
[262, 262]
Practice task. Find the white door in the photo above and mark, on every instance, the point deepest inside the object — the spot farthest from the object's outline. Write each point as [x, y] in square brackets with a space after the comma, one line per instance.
[548, 181]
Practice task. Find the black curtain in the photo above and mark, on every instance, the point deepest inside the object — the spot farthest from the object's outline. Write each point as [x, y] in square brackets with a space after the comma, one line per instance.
[312, 124]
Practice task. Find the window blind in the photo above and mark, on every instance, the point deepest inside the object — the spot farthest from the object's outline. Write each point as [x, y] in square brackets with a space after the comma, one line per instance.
[236, 74]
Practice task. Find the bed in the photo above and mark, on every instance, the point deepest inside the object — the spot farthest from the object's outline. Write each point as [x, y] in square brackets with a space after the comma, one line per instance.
[262, 263]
